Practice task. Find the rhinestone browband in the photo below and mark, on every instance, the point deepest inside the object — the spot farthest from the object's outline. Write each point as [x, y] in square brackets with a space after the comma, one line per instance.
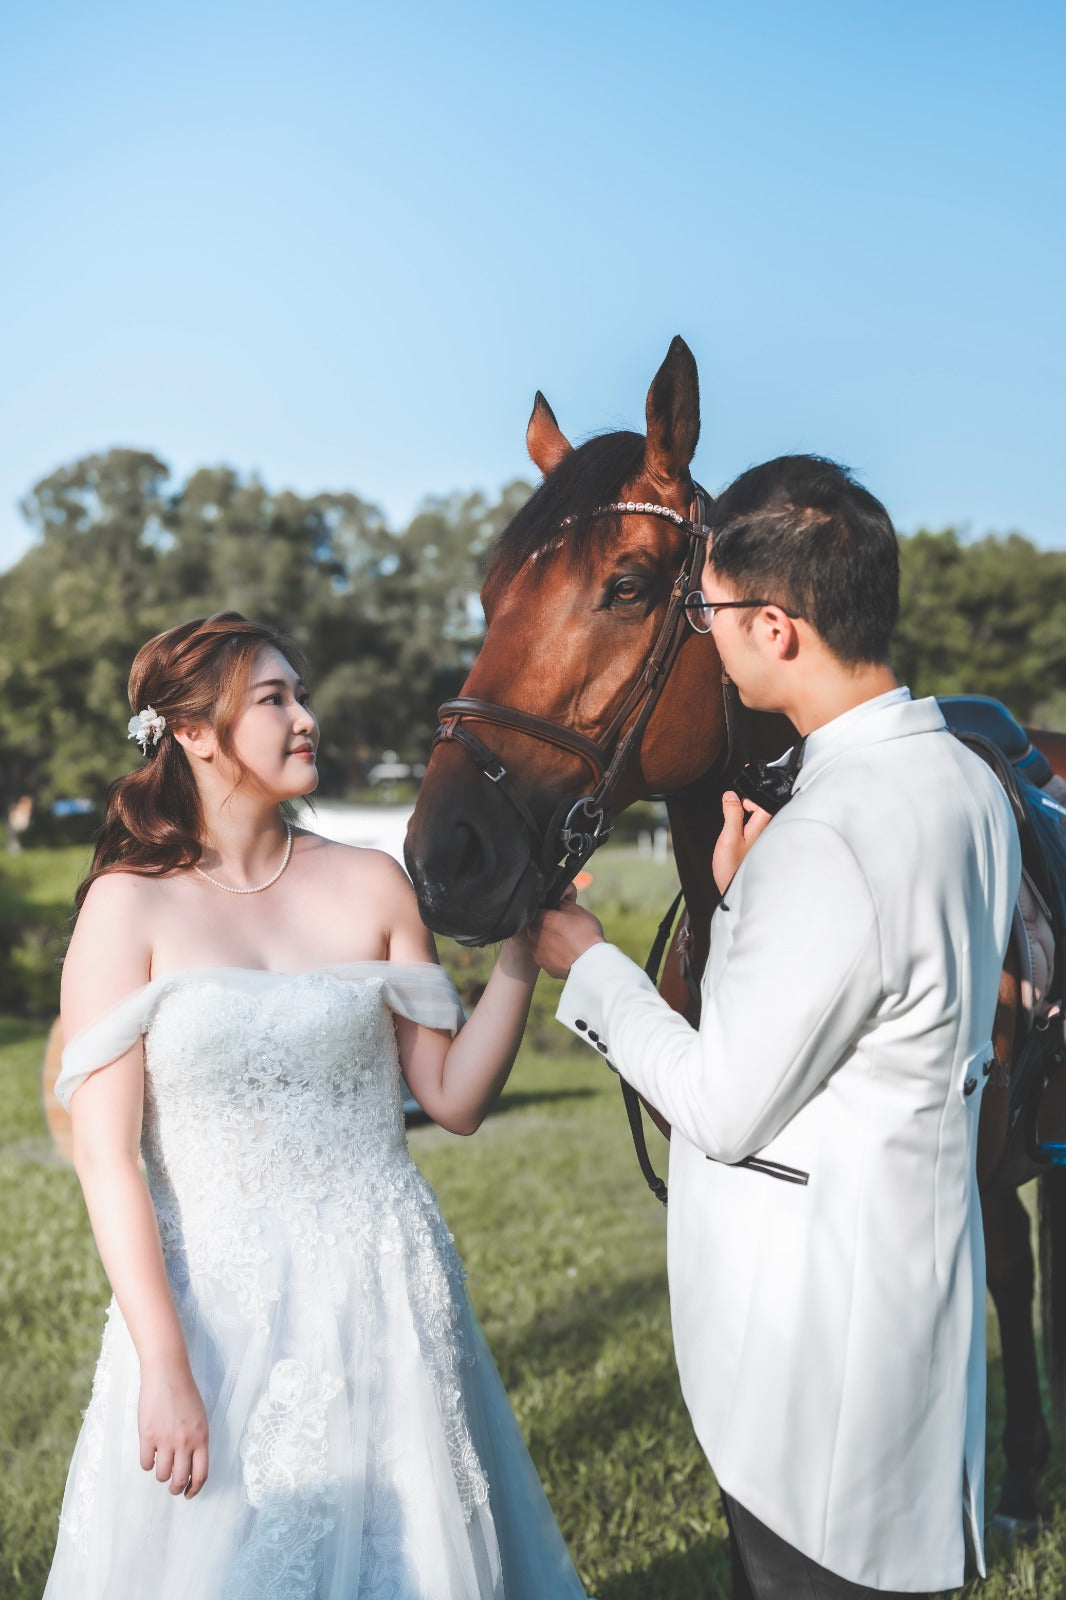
[647, 508]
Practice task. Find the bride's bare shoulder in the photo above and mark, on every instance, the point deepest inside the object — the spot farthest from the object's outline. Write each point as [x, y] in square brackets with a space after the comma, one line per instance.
[362, 896]
[355, 861]
[120, 911]
[116, 894]
[110, 950]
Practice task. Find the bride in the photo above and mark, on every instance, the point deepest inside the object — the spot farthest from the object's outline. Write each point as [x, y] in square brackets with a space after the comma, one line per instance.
[293, 1398]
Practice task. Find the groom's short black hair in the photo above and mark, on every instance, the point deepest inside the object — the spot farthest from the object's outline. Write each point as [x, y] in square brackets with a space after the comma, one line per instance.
[800, 531]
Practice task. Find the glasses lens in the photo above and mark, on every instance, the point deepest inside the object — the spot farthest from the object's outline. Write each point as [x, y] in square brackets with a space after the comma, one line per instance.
[698, 611]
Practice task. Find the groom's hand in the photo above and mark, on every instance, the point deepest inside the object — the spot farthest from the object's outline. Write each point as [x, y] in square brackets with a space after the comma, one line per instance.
[557, 938]
[742, 824]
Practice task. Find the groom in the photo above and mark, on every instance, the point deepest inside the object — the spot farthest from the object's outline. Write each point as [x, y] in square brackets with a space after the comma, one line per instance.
[825, 1253]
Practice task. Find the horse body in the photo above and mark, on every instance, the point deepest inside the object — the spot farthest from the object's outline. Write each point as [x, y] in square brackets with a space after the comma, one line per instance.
[574, 604]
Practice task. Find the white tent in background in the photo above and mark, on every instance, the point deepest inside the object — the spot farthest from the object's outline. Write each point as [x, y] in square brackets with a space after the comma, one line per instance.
[379, 827]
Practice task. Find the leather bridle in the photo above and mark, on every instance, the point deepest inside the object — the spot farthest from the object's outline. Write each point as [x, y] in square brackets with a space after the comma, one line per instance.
[579, 827]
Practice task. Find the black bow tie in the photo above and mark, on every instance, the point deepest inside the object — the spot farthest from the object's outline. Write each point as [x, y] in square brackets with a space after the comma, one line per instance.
[769, 786]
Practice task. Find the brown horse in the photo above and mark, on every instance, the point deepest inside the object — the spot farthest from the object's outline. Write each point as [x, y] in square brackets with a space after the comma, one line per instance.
[591, 692]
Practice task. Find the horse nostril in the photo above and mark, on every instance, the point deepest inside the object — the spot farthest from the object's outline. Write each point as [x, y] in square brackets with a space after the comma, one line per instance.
[472, 873]
[472, 860]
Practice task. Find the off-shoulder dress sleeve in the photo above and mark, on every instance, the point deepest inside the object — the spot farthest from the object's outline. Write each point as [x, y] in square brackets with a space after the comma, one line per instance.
[418, 990]
[104, 1040]
[422, 992]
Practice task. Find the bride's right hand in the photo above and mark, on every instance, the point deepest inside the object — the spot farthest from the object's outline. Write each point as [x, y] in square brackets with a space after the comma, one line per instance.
[172, 1426]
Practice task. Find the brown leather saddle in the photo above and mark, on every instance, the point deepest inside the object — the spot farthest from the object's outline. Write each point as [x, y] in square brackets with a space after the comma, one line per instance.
[1038, 800]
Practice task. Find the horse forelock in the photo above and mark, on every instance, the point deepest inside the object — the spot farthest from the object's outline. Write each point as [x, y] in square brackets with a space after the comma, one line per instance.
[592, 475]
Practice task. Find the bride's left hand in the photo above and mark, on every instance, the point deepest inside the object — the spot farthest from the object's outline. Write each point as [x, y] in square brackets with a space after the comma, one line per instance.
[172, 1425]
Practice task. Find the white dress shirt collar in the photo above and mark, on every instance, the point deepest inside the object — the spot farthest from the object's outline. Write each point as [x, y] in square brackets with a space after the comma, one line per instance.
[845, 725]
[886, 716]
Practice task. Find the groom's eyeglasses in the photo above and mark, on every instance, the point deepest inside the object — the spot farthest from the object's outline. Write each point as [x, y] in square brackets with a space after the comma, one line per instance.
[700, 612]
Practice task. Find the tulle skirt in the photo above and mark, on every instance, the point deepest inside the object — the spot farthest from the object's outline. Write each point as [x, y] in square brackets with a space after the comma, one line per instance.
[362, 1446]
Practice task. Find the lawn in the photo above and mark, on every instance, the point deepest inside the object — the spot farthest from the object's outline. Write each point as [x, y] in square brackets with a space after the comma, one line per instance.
[564, 1249]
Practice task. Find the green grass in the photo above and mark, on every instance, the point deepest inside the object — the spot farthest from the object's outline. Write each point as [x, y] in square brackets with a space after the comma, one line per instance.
[564, 1250]
[52, 1293]
[36, 891]
[44, 879]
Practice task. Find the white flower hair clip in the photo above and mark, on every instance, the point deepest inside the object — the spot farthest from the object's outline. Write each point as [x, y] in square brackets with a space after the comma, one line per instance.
[147, 728]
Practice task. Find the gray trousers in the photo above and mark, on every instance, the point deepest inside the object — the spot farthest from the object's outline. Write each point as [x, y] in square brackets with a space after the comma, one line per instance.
[766, 1568]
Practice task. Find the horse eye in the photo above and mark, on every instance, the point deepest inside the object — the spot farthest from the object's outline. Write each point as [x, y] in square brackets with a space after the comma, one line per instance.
[627, 589]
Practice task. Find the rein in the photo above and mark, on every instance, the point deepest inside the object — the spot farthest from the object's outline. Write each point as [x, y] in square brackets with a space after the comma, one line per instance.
[630, 1098]
[579, 827]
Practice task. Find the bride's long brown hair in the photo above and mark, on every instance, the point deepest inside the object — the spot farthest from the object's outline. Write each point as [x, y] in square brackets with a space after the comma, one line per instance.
[197, 672]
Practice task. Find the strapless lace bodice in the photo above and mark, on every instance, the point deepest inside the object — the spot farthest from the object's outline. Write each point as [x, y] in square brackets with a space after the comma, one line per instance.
[272, 1088]
[283, 1094]
[273, 1124]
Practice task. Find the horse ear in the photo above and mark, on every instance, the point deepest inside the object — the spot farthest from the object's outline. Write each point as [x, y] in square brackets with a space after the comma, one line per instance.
[545, 440]
[673, 414]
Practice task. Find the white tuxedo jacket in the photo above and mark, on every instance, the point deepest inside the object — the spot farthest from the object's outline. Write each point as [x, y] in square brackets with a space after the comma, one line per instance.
[828, 1303]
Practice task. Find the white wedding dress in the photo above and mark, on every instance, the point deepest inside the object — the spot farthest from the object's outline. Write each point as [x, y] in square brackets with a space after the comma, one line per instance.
[362, 1446]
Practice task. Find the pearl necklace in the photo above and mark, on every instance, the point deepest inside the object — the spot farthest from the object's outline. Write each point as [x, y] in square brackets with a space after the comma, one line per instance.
[259, 887]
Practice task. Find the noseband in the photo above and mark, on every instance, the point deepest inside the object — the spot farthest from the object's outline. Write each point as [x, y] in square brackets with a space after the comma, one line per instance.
[580, 827]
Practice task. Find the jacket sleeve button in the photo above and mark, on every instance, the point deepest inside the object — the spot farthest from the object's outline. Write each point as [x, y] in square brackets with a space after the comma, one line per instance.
[580, 1023]
[969, 1086]
[594, 1036]
[601, 1046]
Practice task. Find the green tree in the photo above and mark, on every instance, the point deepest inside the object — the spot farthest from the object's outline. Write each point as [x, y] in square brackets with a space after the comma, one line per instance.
[987, 617]
[72, 613]
[389, 619]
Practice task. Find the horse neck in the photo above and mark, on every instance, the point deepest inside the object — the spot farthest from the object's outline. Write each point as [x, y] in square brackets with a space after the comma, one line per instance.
[695, 815]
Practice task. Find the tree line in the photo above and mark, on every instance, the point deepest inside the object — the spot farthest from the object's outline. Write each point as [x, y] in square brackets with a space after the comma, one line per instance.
[389, 617]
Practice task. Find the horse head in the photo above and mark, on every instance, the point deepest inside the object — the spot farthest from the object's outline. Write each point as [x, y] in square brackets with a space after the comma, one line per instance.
[587, 669]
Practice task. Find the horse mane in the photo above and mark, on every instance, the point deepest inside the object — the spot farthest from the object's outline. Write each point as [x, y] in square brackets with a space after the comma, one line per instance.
[592, 475]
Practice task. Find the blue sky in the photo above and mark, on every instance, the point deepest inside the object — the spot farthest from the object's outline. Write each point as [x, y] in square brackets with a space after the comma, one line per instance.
[343, 245]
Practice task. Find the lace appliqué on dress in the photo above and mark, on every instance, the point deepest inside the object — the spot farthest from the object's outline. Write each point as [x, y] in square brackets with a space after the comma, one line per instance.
[327, 1325]
[285, 1457]
[434, 1292]
[77, 1518]
[294, 1171]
